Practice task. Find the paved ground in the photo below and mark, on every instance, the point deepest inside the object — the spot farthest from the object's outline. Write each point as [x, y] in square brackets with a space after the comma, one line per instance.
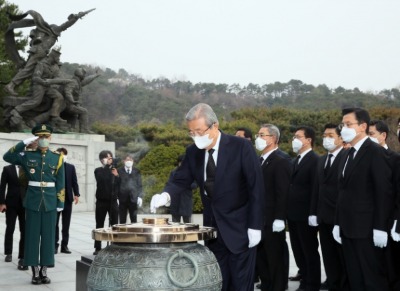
[63, 275]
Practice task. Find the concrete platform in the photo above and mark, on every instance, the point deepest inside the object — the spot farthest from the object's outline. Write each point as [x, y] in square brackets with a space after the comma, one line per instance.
[63, 275]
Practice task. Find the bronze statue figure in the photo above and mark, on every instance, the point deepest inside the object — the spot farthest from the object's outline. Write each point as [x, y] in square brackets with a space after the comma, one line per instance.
[51, 93]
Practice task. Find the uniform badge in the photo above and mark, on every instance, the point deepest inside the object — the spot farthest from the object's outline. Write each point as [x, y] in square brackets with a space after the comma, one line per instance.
[32, 171]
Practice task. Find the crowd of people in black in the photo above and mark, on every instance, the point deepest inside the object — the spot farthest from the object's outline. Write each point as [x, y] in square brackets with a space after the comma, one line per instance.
[346, 201]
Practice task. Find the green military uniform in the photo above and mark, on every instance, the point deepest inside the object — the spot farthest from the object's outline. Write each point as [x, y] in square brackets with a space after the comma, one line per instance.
[45, 193]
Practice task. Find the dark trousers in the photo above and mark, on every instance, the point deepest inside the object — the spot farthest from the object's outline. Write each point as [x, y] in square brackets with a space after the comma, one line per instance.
[102, 208]
[237, 269]
[66, 222]
[177, 218]
[393, 263]
[40, 235]
[364, 265]
[12, 214]
[304, 241]
[271, 261]
[332, 254]
[123, 211]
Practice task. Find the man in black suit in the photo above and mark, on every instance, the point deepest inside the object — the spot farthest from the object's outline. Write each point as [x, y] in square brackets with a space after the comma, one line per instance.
[378, 132]
[130, 190]
[71, 195]
[303, 237]
[362, 211]
[276, 172]
[107, 185]
[11, 203]
[323, 205]
[228, 172]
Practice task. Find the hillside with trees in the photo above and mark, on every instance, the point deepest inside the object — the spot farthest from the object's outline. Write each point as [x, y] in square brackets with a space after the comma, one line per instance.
[146, 117]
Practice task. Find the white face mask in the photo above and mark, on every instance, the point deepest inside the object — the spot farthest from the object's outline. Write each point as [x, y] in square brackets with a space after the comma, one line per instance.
[104, 161]
[348, 134]
[328, 143]
[65, 159]
[374, 139]
[202, 142]
[260, 143]
[297, 145]
[128, 164]
[43, 142]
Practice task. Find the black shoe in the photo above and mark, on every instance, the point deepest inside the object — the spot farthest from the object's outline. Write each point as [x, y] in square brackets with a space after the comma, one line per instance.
[295, 278]
[65, 250]
[8, 258]
[324, 285]
[43, 275]
[36, 280]
[21, 265]
[96, 252]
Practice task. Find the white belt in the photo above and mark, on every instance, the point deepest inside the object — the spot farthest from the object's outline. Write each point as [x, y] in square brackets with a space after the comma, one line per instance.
[41, 184]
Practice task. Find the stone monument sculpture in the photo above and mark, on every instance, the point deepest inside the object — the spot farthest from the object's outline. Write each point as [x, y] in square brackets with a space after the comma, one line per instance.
[51, 93]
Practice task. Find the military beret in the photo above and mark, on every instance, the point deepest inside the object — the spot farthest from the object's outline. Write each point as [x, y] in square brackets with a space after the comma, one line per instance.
[42, 129]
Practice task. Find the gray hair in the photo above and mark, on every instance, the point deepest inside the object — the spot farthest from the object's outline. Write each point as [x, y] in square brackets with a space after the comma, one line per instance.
[202, 110]
[273, 130]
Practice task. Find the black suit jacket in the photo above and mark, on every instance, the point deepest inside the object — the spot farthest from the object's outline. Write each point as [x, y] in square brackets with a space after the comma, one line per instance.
[365, 192]
[276, 171]
[71, 183]
[9, 180]
[130, 185]
[394, 159]
[237, 201]
[301, 187]
[324, 198]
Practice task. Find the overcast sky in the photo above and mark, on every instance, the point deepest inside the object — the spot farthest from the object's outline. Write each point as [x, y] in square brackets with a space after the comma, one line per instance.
[349, 43]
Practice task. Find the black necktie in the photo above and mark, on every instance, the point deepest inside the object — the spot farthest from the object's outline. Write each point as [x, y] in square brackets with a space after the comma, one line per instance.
[210, 174]
[129, 171]
[350, 159]
[261, 160]
[296, 162]
[328, 164]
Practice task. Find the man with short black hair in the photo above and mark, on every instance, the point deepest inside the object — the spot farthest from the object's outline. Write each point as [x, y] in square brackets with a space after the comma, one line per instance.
[245, 133]
[107, 184]
[130, 190]
[303, 237]
[71, 195]
[362, 216]
[323, 205]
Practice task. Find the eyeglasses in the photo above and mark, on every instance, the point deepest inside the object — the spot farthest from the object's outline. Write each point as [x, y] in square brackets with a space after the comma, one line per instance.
[198, 132]
[262, 135]
[348, 124]
[298, 137]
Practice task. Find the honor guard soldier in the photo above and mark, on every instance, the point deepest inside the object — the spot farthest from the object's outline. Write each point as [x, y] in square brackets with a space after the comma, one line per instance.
[44, 197]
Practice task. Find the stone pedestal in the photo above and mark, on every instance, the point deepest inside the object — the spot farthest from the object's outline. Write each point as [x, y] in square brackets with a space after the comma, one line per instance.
[83, 153]
[82, 271]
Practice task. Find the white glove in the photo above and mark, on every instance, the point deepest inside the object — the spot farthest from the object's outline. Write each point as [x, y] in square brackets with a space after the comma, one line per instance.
[254, 237]
[278, 225]
[395, 235]
[59, 209]
[139, 202]
[380, 238]
[336, 234]
[158, 200]
[312, 220]
[30, 140]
